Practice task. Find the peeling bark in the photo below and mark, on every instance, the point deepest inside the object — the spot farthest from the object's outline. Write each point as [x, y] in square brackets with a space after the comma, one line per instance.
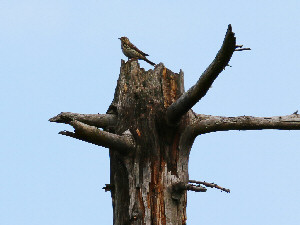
[156, 163]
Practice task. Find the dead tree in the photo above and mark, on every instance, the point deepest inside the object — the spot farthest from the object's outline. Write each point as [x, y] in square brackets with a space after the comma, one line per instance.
[149, 129]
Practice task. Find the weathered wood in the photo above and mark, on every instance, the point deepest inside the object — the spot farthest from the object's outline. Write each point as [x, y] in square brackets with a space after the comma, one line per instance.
[121, 143]
[199, 90]
[206, 123]
[149, 129]
[97, 120]
[143, 180]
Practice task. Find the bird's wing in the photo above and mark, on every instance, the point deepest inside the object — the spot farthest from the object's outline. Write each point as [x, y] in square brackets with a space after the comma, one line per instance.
[139, 51]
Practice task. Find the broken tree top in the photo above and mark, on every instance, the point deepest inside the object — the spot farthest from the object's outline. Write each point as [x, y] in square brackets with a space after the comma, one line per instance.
[150, 128]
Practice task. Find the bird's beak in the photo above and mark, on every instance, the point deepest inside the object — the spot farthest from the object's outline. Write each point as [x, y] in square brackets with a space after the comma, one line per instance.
[119, 38]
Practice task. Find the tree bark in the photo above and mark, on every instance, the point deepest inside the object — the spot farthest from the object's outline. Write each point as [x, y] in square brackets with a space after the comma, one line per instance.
[142, 180]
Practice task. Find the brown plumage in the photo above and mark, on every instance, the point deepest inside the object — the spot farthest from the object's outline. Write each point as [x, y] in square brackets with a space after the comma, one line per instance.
[132, 52]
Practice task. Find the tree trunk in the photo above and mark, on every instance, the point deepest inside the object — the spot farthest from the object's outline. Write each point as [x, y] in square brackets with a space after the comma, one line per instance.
[142, 181]
[149, 129]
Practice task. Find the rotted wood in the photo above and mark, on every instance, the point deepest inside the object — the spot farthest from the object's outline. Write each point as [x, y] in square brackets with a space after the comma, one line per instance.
[143, 179]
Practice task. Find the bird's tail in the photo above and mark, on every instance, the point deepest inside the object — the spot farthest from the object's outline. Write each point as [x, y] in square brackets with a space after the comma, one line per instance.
[148, 61]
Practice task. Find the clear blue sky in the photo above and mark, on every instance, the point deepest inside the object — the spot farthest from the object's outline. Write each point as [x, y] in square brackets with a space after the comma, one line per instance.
[65, 56]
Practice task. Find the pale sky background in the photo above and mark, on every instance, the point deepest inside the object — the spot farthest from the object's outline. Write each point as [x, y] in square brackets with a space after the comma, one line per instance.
[65, 56]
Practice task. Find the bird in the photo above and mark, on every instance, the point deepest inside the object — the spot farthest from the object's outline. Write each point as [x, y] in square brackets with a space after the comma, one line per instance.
[132, 52]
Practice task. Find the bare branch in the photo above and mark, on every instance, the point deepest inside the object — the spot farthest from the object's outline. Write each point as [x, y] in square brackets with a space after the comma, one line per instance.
[240, 48]
[196, 188]
[97, 120]
[209, 124]
[95, 136]
[211, 185]
[179, 188]
[108, 187]
[195, 93]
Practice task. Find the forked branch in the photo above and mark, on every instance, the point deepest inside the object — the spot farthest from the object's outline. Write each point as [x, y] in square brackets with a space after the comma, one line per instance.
[93, 135]
[97, 120]
[207, 124]
[195, 93]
